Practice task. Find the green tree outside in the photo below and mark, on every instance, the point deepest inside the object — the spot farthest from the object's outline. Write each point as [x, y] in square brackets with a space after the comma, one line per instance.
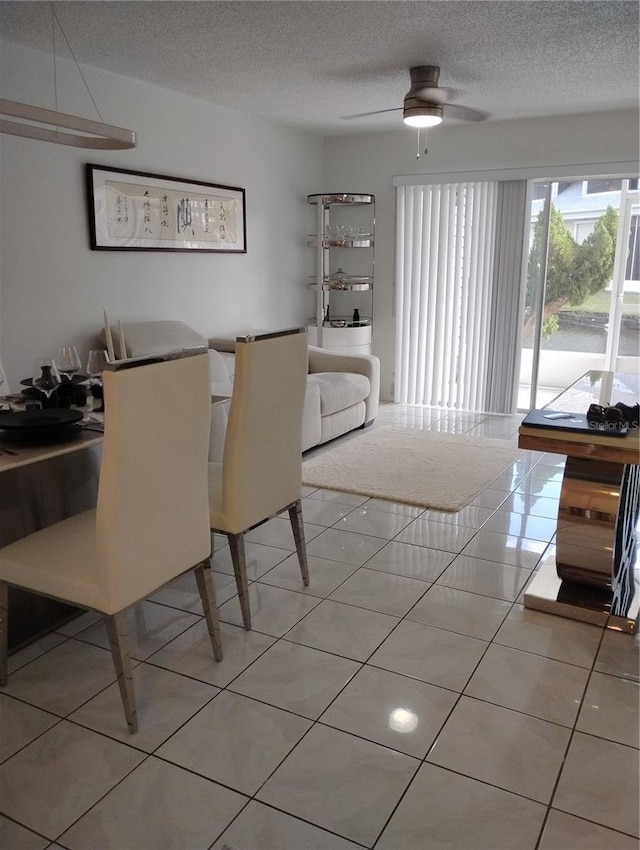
[575, 271]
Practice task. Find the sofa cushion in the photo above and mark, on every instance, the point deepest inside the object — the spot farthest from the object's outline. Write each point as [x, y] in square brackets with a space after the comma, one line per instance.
[339, 390]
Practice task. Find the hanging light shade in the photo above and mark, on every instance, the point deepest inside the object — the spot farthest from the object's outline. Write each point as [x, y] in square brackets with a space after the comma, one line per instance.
[88, 134]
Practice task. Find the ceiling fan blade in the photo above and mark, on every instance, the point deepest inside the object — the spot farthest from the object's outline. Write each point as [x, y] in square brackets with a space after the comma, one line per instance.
[366, 114]
[464, 113]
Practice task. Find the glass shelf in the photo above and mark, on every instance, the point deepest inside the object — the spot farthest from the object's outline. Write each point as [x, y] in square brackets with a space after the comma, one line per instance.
[336, 198]
[338, 322]
[350, 242]
[343, 284]
[350, 284]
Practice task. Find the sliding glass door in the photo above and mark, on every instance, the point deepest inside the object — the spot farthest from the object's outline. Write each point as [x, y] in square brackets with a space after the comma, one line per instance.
[583, 284]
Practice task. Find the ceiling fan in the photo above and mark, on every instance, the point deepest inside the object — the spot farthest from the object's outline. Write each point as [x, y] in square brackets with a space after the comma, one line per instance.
[425, 103]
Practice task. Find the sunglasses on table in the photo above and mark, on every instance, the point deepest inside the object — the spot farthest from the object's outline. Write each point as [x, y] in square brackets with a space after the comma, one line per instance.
[608, 415]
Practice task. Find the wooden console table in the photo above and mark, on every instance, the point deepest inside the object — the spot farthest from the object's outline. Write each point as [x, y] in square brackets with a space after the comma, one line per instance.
[594, 575]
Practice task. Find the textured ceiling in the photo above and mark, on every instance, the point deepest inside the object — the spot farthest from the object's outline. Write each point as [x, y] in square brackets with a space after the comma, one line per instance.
[309, 63]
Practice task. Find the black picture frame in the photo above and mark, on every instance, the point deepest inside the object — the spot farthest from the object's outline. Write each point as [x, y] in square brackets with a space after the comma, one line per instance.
[140, 211]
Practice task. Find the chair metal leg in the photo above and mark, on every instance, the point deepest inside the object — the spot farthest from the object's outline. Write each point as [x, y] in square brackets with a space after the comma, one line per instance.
[140, 620]
[238, 557]
[4, 630]
[119, 645]
[297, 526]
[207, 591]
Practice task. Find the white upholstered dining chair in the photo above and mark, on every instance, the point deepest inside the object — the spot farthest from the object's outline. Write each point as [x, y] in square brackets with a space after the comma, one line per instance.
[151, 521]
[261, 471]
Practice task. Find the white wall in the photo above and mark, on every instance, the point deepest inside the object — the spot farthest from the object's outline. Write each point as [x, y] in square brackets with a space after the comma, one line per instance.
[369, 162]
[53, 287]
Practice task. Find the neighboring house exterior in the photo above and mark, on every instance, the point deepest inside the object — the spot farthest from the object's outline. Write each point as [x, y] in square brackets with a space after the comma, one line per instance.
[582, 203]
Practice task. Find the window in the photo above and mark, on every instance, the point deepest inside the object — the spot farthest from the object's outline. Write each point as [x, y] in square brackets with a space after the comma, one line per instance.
[582, 279]
[597, 187]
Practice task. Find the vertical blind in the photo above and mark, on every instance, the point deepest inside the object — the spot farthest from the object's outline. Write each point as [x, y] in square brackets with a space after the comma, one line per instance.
[508, 298]
[457, 294]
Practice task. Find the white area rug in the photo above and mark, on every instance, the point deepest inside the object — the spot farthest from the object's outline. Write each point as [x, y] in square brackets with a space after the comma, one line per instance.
[424, 468]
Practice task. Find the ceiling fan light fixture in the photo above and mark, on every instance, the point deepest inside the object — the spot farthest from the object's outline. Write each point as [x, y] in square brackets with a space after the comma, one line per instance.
[422, 115]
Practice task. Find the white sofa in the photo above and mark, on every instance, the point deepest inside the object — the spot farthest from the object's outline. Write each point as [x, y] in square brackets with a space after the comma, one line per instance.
[342, 389]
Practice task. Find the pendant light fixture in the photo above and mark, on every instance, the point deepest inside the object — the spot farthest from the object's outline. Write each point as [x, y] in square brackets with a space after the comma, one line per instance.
[89, 134]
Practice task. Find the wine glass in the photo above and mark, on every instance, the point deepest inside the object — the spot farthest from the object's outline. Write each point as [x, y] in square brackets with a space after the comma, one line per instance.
[46, 377]
[68, 361]
[96, 362]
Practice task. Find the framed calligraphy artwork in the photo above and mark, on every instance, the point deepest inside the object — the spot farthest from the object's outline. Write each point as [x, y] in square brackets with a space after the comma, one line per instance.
[134, 211]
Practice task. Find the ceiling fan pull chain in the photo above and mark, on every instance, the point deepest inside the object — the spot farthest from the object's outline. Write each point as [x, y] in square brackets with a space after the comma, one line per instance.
[425, 143]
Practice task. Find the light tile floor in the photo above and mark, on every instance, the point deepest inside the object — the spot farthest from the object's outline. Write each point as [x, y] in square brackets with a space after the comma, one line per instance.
[405, 700]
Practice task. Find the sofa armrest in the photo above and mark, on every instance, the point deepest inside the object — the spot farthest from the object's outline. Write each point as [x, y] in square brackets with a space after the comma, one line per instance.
[322, 360]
